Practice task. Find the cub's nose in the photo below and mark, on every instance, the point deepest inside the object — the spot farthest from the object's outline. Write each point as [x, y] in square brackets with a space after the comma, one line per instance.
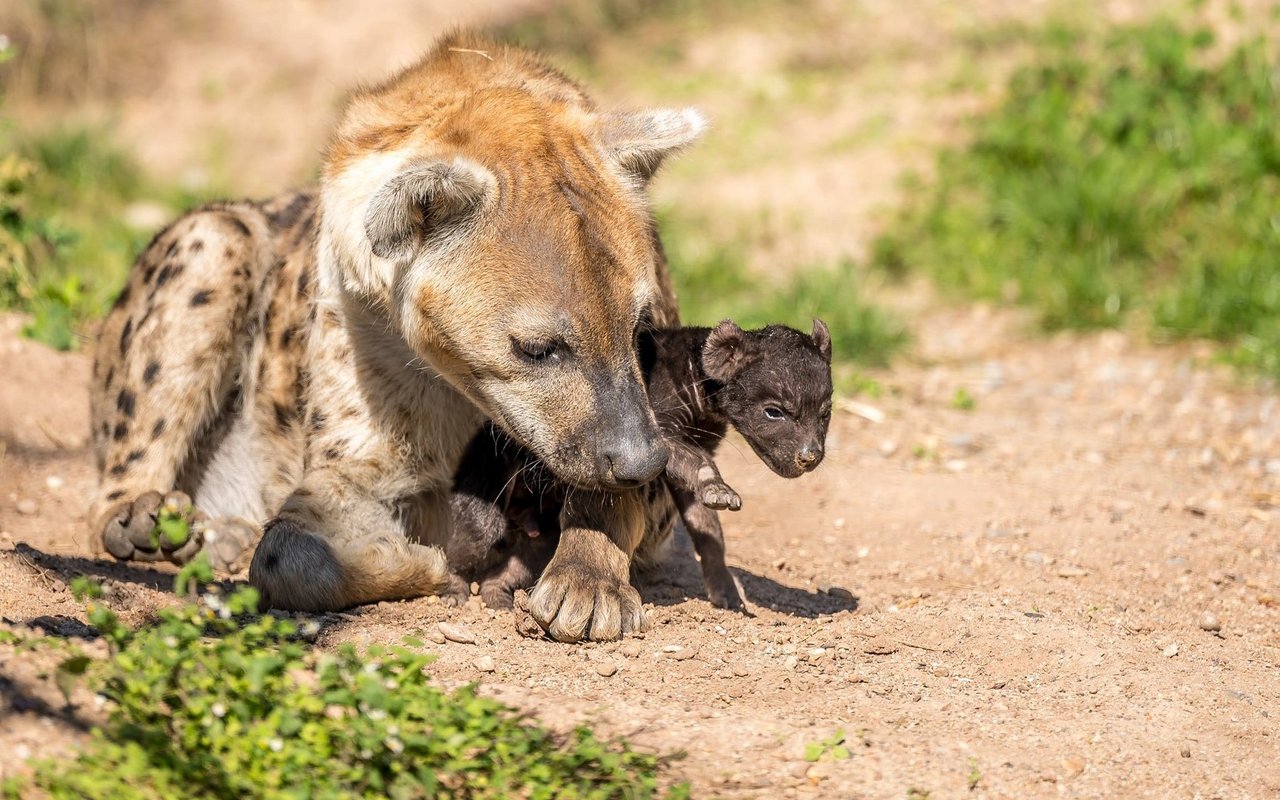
[809, 457]
[632, 462]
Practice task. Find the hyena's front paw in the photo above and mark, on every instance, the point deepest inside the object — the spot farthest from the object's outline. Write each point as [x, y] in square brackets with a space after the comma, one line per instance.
[574, 601]
[718, 495]
[154, 527]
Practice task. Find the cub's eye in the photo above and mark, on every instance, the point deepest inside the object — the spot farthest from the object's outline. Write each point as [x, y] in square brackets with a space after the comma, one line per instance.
[773, 412]
[537, 350]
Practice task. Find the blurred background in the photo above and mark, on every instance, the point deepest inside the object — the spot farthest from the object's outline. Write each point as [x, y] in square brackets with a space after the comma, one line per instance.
[1101, 164]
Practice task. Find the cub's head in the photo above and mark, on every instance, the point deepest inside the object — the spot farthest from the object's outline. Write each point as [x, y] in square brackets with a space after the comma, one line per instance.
[776, 390]
[500, 223]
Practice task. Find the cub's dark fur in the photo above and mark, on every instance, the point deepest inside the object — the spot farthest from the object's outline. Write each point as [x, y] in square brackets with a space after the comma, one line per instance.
[773, 385]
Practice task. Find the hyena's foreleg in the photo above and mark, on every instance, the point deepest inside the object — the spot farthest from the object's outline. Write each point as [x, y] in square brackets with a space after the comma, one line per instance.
[335, 545]
[167, 367]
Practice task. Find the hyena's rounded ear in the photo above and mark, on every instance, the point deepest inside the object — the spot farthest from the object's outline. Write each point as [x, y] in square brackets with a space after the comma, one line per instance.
[723, 356]
[638, 141]
[423, 197]
[822, 338]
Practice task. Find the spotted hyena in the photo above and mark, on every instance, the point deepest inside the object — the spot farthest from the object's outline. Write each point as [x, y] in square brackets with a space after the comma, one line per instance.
[309, 369]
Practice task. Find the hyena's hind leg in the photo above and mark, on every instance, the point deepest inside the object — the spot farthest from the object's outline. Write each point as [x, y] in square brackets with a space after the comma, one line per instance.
[168, 365]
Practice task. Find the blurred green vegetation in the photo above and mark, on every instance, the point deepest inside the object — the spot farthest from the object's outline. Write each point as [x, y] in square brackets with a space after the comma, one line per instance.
[1128, 175]
[66, 242]
[712, 284]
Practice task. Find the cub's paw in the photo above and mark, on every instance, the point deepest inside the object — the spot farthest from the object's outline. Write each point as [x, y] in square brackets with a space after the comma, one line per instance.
[154, 527]
[718, 495]
[574, 601]
[497, 595]
[457, 593]
[724, 591]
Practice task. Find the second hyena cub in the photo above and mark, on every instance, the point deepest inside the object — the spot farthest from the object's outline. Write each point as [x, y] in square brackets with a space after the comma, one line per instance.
[773, 385]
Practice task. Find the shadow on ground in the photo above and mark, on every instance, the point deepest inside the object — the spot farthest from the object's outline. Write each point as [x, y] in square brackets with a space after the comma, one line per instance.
[679, 579]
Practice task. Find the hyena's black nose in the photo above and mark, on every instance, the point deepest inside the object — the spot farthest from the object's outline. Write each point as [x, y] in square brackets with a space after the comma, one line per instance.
[632, 461]
[809, 457]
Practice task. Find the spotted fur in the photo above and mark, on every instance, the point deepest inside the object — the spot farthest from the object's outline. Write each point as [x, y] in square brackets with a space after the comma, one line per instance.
[479, 246]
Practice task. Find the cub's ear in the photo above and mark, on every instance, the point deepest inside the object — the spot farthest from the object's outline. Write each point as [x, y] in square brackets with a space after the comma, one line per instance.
[822, 338]
[723, 356]
[424, 196]
[638, 141]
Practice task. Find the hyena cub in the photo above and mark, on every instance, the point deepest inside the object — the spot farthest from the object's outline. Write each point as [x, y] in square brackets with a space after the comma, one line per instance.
[773, 385]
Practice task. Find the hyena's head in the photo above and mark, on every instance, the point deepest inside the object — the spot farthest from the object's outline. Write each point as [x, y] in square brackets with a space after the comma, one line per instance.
[775, 387]
[501, 222]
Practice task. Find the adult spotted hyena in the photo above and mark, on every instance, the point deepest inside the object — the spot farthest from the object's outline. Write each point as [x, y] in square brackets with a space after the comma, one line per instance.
[479, 246]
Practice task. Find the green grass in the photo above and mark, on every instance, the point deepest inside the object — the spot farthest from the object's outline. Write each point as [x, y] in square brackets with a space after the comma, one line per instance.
[216, 701]
[1129, 176]
[712, 285]
[65, 244]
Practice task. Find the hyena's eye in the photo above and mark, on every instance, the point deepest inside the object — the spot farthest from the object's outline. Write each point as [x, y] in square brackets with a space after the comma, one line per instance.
[539, 350]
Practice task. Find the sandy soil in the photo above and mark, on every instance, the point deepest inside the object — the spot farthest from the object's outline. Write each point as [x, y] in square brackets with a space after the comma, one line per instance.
[1019, 589]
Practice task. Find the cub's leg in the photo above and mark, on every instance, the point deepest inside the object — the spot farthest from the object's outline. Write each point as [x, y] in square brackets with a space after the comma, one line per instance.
[167, 367]
[703, 525]
[527, 558]
[693, 469]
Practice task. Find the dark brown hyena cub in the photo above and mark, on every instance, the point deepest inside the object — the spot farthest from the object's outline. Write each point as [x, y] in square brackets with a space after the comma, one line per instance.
[773, 385]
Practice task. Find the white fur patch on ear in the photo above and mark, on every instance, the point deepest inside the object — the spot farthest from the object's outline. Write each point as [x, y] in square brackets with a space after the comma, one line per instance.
[638, 141]
[422, 196]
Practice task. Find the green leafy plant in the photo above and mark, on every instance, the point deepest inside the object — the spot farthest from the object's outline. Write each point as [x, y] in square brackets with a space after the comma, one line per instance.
[963, 400]
[1127, 170]
[712, 285]
[216, 701]
[832, 748]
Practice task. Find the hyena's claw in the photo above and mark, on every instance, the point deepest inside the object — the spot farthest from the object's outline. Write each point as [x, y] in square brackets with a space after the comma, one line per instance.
[156, 527]
[574, 603]
[228, 542]
[719, 496]
[130, 530]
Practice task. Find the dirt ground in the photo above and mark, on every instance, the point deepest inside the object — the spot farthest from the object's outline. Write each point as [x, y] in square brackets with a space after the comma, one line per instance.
[1008, 601]
[1005, 602]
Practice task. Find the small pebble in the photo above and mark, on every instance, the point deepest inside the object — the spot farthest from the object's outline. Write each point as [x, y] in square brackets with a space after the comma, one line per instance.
[485, 664]
[790, 662]
[457, 633]
[606, 669]
[434, 635]
[1186, 751]
[27, 507]
[841, 593]
[683, 654]
[1171, 650]
[54, 482]
[1209, 622]
[630, 649]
